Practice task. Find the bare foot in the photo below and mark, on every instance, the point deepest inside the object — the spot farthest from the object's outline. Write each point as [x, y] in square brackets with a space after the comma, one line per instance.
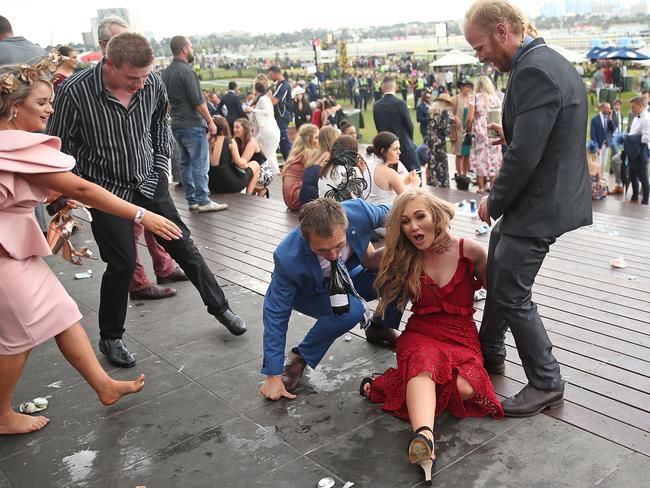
[117, 389]
[19, 423]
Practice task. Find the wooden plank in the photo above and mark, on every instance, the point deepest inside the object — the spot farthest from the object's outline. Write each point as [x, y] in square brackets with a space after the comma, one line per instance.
[588, 420]
[604, 387]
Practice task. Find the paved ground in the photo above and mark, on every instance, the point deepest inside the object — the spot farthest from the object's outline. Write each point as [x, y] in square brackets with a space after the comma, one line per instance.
[200, 421]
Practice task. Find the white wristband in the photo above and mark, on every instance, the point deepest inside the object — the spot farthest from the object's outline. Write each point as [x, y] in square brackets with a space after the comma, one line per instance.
[139, 215]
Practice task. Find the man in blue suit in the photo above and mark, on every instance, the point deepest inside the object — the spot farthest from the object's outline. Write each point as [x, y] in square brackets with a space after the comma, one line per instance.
[601, 132]
[328, 231]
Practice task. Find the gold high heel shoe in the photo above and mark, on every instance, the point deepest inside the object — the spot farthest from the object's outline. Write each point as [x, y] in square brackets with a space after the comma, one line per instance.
[421, 452]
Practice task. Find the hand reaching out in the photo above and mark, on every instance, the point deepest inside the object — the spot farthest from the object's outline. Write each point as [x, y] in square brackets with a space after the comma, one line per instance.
[161, 226]
[499, 129]
[483, 212]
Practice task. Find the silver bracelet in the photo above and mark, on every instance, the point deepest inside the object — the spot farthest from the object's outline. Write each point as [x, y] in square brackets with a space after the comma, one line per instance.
[139, 215]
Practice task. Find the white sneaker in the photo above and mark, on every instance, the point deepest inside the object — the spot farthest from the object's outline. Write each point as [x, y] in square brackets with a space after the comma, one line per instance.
[212, 207]
[194, 206]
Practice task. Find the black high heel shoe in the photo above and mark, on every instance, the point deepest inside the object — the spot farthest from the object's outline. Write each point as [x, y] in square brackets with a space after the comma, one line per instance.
[362, 388]
[421, 452]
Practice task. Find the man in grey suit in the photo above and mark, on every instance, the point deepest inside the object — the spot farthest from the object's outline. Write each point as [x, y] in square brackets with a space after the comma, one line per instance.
[392, 115]
[542, 191]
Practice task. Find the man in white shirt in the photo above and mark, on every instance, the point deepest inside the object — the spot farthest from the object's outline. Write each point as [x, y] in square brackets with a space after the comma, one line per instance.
[639, 166]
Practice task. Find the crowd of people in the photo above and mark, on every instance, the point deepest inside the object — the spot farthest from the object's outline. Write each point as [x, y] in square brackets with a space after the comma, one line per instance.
[106, 141]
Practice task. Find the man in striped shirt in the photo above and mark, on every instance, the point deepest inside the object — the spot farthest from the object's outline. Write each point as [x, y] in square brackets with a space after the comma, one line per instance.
[113, 119]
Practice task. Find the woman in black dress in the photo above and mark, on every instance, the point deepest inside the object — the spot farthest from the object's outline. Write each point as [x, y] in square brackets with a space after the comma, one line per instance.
[246, 152]
[226, 175]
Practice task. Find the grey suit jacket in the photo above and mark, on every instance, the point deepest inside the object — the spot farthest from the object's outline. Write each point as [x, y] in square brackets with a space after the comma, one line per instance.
[543, 188]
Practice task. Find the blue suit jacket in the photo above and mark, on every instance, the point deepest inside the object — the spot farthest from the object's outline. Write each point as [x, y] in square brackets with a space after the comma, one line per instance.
[298, 281]
[598, 133]
[636, 151]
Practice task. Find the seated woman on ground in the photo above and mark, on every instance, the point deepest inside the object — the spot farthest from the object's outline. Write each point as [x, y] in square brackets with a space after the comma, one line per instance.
[347, 129]
[332, 113]
[439, 362]
[315, 159]
[389, 176]
[292, 172]
[345, 174]
[225, 176]
[599, 187]
[245, 151]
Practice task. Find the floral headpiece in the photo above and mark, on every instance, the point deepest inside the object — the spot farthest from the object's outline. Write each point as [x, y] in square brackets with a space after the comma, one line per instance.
[10, 81]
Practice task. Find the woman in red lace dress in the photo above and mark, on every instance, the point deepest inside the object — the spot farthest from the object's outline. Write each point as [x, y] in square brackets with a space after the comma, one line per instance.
[439, 362]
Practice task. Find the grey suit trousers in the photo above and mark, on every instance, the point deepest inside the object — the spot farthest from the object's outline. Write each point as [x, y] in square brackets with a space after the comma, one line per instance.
[513, 264]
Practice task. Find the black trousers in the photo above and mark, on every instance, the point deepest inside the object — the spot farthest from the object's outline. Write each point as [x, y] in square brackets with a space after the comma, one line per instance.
[115, 240]
[513, 264]
[639, 173]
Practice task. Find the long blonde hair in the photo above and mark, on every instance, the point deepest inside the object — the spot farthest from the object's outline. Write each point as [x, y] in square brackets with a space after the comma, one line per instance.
[402, 263]
[485, 13]
[485, 87]
[326, 138]
[305, 140]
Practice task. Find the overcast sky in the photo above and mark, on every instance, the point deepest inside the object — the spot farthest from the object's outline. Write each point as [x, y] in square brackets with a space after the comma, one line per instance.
[46, 22]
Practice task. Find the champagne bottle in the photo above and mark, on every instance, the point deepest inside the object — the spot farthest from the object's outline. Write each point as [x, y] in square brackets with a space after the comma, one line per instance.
[338, 291]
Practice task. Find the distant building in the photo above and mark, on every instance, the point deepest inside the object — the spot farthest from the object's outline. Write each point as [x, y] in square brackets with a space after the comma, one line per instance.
[131, 16]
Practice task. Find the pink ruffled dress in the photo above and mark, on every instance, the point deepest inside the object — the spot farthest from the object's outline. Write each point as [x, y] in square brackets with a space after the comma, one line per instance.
[34, 306]
[441, 338]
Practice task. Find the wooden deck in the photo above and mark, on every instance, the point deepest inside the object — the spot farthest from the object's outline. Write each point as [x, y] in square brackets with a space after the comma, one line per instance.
[596, 316]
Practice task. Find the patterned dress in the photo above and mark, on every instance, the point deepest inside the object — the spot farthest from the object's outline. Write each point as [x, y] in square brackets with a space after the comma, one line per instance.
[484, 158]
[440, 126]
[441, 338]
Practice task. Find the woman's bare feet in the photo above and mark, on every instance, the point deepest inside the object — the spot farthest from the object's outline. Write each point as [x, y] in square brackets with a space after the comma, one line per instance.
[19, 423]
[115, 390]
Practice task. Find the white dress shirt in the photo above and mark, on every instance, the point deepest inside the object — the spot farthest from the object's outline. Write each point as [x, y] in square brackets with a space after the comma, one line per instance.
[641, 125]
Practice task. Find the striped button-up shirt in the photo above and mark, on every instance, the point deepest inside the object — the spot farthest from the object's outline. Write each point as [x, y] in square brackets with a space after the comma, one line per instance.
[120, 149]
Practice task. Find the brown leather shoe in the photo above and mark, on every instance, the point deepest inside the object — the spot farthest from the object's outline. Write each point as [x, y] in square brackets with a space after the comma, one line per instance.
[382, 336]
[530, 401]
[494, 364]
[618, 189]
[177, 275]
[293, 371]
[152, 292]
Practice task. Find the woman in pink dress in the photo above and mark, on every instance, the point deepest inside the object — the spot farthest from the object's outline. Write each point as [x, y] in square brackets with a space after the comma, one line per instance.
[439, 362]
[34, 306]
[485, 159]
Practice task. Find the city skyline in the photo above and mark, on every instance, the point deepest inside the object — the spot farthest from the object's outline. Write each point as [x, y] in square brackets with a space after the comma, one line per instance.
[67, 24]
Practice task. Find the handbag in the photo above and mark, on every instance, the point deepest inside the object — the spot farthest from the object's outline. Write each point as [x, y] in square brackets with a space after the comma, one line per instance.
[467, 139]
[58, 236]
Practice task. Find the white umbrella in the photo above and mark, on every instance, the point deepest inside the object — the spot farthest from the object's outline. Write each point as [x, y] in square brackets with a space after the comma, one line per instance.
[571, 56]
[455, 58]
[644, 50]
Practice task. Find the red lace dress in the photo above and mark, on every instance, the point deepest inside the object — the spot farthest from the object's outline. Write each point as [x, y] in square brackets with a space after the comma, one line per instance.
[441, 338]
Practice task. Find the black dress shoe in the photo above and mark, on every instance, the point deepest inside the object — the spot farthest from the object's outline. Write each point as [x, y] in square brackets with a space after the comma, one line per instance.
[382, 336]
[116, 353]
[152, 292]
[177, 275]
[494, 364]
[530, 401]
[293, 371]
[233, 322]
